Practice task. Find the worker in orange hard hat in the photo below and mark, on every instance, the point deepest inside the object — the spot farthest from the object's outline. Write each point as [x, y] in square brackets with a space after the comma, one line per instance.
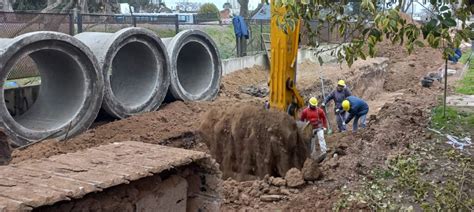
[338, 95]
[316, 117]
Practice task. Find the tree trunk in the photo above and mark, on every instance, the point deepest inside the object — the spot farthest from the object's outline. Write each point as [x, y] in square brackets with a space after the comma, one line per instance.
[244, 8]
[84, 6]
[406, 5]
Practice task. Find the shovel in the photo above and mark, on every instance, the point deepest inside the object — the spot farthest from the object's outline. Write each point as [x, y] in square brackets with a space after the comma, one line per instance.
[324, 96]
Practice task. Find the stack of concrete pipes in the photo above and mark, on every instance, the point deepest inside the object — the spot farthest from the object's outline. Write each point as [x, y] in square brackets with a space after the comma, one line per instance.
[126, 73]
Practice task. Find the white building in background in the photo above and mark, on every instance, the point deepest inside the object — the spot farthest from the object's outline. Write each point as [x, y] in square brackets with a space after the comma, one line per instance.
[235, 7]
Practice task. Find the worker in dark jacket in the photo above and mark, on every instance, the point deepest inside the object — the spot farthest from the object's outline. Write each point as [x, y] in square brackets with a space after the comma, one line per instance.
[316, 117]
[357, 109]
[341, 93]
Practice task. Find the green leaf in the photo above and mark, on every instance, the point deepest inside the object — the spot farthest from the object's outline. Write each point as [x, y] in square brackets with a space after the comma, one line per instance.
[362, 55]
[449, 22]
[371, 7]
[444, 8]
[305, 2]
[320, 60]
[436, 42]
[364, 4]
[341, 10]
[341, 30]
[419, 43]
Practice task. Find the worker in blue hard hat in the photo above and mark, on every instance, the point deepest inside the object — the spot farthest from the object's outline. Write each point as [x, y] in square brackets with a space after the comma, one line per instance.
[338, 95]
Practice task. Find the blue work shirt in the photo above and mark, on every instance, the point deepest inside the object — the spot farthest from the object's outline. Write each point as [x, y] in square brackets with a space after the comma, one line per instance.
[358, 107]
[240, 27]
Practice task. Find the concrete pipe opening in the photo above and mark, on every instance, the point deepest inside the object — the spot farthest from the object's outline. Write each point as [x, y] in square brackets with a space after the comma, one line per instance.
[135, 67]
[195, 66]
[71, 87]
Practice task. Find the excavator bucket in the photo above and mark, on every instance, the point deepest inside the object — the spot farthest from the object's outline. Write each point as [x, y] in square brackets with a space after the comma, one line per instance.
[305, 130]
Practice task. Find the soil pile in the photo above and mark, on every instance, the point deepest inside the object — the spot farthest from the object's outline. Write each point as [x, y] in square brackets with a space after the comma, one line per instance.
[233, 83]
[250, 142]
[172, 125]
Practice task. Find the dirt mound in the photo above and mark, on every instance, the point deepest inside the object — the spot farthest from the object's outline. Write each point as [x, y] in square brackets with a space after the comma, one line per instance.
[233, 83]
[250, 142]
[170, 126]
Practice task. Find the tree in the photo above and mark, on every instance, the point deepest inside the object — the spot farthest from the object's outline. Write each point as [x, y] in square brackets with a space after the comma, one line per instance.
[438, 33]
[208, 8]
[22, 5]
[227, 5]
[244, 8]
[441, 32]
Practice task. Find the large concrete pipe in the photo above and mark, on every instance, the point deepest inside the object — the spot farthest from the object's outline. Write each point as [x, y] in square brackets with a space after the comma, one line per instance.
[196, 68]
[71, 86]
[135, 67]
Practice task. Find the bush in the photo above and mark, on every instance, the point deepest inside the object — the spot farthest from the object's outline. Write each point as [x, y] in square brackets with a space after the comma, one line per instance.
[208, 8]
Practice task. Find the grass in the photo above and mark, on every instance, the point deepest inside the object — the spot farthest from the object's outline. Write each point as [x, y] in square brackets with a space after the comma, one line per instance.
[418, 180]
[456, 122]
[466, 85]
[224, 38]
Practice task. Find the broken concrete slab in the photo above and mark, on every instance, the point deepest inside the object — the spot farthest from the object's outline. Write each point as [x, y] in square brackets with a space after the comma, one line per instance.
[68, 177]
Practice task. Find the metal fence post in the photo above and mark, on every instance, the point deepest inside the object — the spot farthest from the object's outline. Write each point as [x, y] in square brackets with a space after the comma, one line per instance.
[262, 45]
[71, 24]
[176, 23]
[79, 22]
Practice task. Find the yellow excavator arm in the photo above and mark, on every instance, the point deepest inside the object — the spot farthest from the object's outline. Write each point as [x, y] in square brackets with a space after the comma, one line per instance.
[284, 50]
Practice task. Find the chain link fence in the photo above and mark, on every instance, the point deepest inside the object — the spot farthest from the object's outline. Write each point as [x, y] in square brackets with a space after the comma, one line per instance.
[14, 24]
[17, 23]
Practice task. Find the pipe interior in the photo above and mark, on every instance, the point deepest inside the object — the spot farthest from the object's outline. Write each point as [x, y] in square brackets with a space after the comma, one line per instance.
[61, 94]
[134, 74]
[195, 68]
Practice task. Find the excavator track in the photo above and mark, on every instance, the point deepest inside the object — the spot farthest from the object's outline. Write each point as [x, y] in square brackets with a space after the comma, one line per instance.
[104, 177]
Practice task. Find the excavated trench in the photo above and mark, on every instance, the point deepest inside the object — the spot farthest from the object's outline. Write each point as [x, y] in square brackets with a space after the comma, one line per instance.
[250, 142]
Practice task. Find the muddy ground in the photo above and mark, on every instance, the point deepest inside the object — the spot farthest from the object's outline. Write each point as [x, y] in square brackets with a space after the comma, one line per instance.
[399, 114]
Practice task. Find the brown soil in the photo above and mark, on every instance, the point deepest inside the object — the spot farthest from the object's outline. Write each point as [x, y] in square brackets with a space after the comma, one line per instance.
[250, 141]
[174, 124]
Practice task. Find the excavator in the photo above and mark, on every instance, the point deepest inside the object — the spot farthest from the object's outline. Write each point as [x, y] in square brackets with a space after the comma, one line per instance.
[284, 95]
[284, 50]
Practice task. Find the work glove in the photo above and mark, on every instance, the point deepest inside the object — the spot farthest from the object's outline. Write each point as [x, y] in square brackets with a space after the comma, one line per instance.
[323, 104]
[338, 111]
[324, 129]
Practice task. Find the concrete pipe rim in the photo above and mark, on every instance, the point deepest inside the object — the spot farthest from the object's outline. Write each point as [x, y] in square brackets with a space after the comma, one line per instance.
[200, 43]
[61, 112]
[149, 95]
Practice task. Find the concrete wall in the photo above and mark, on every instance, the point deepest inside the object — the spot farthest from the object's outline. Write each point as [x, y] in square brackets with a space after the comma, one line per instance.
[306, 54]
[235, 64]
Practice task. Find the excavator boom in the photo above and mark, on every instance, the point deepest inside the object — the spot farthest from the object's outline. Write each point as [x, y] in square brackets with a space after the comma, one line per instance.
[284, 49]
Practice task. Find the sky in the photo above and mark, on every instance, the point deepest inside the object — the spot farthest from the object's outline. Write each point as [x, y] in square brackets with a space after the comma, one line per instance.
[252, 3]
